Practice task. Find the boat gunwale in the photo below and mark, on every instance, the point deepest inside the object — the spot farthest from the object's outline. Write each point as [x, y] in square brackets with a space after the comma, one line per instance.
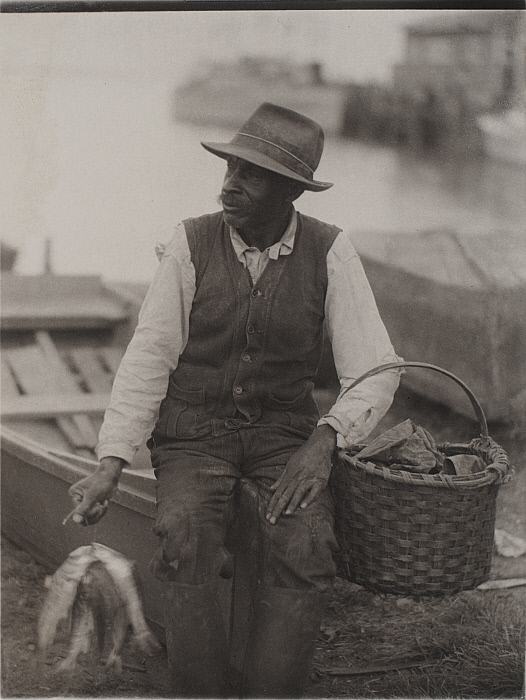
[136, 489]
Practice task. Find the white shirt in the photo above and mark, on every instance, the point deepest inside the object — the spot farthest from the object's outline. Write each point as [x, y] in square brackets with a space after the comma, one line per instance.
[358, 337]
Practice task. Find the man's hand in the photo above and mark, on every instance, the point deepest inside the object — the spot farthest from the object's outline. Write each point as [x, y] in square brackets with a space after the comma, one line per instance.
[91, 495]
[305, 476]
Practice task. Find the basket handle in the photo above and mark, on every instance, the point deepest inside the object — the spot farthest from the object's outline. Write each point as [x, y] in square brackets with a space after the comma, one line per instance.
[393, 365]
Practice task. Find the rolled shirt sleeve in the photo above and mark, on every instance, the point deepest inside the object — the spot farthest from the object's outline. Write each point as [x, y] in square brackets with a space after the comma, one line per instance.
[161, 335]
[359, 343]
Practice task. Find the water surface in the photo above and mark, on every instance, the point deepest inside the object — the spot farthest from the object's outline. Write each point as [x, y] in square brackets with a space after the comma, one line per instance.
[109, 172]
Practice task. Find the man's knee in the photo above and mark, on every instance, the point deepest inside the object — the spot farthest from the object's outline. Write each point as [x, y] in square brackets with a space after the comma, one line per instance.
[189, 552]
[173, 529]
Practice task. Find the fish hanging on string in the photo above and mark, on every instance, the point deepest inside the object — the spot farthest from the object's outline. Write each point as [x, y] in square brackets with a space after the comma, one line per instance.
[98, 607]
[97, 589]
[62, 591]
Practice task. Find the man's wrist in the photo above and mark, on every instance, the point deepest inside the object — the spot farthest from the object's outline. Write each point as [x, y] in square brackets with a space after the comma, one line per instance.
[325, 437]
[112, 467]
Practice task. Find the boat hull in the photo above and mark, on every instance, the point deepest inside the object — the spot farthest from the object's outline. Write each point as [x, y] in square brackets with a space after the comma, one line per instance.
[35, 501]
[472, 326]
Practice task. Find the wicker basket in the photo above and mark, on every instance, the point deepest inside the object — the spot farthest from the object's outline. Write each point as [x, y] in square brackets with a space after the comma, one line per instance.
[418, 534]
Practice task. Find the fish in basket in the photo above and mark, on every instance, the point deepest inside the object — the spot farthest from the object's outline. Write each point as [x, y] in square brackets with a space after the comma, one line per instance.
[409, 531]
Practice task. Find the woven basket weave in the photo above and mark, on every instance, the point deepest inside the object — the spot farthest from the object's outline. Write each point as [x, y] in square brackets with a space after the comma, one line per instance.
[418, 534]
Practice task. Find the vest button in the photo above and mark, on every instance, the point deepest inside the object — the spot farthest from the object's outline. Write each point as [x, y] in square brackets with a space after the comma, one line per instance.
[246, 357]
[254, 292]
[250, 329]
[238, 390]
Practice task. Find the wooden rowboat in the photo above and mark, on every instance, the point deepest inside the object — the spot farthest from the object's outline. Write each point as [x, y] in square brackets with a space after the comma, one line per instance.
[62, 341]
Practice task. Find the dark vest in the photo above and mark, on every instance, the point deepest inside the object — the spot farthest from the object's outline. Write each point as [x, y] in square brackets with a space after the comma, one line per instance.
[253, 350]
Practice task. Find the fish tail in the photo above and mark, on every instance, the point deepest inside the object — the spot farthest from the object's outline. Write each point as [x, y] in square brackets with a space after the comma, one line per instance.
[83, 626]
[114, 662]
[53, 612]
[120, 628]
[147, 642]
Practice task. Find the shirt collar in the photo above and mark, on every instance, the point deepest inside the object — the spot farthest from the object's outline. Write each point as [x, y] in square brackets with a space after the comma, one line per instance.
[284, 246]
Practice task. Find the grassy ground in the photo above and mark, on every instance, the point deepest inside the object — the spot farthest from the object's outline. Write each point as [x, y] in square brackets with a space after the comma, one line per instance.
[466, 646]
[469, 645]
[472, 646]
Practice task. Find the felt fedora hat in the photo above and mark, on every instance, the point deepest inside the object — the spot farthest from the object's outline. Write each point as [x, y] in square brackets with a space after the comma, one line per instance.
[278, 139]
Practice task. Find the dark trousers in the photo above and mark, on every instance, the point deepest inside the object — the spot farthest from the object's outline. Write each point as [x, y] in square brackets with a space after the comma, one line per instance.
[196, 484]
[196, 505]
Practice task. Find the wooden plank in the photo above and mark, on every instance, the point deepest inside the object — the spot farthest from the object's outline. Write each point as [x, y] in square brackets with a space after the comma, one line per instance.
[9, 387]
[87, 361]
[29, 366]
[374, 668]
[112, 357]
[64, 382]
[53, 405]
[73, 435]
[57, 369]
[31, 369]
[54, 322]
[502, 583]
[74, 459]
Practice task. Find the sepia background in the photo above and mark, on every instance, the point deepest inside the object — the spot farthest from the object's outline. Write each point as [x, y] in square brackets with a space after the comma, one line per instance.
[103, 114]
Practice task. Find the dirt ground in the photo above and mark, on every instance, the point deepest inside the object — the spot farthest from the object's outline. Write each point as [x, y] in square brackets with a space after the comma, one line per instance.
[467, 646]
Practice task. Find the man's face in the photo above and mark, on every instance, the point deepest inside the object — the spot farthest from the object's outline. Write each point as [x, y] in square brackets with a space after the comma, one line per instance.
[251, 196]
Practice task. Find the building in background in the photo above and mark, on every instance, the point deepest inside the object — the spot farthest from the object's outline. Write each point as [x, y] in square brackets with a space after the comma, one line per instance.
[456, 68]
[459, 90]
[461, 74]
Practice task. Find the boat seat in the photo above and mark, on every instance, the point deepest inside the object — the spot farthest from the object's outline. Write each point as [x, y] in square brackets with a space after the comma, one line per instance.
[71, 386]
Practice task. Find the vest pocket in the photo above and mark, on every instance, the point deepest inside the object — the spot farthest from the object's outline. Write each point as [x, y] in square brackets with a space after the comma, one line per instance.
[182, 414]
[188, 395]
[287, 401]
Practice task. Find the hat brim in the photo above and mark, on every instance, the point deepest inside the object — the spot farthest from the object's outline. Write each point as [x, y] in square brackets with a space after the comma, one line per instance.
[223, 150]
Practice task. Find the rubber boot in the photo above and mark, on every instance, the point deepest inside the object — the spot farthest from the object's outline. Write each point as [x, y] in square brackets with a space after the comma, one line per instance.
[196, 641]
[282, 641]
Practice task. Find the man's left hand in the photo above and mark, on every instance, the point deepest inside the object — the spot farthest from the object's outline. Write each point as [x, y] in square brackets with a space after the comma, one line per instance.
[305, 476]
